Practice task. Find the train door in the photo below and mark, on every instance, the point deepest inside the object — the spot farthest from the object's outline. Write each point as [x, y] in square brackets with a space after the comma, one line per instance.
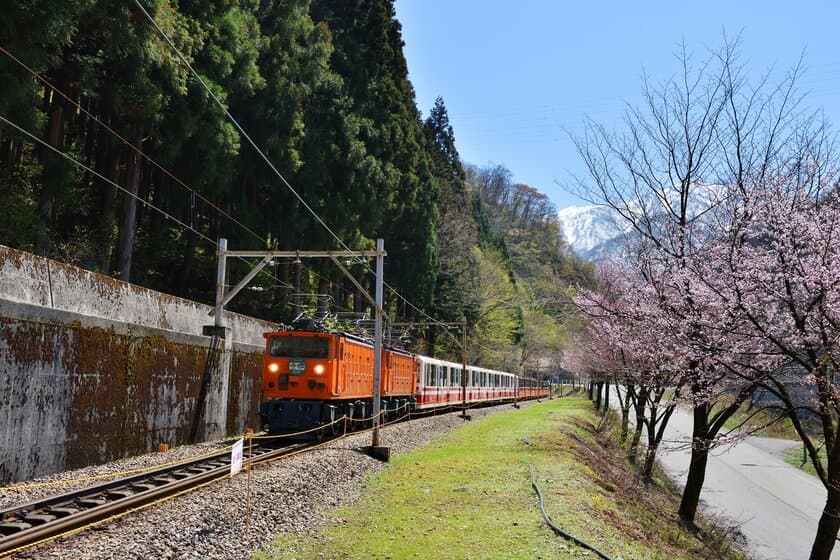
[389, 372]
[340, 370]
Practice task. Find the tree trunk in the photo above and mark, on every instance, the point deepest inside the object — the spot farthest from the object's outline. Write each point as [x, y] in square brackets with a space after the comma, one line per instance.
[50, 178]
[108, 162]
[828, 526]
[183, 281]
[152, 190]
[129, 212]
[606, 398]
[650, 458]
[8, 153]
[633, 450]
[697, 466]
[625, 425]
[624, 402]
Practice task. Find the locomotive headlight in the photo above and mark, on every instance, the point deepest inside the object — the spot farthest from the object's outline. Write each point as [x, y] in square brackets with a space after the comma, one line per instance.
[319, 369]
[273, 367]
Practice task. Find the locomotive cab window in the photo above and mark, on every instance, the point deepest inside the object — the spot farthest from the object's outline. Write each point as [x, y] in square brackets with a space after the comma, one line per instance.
[299, 347]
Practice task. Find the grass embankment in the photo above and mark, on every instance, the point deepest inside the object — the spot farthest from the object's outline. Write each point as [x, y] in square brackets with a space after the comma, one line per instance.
[468, 495]
[796, 458]
[769, 423]
[762, 422]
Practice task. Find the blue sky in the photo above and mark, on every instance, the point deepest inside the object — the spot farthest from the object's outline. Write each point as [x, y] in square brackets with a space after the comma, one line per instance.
[516, 75]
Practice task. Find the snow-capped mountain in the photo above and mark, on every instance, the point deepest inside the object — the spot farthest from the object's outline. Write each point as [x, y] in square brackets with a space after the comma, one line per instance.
[598, 233]
[592, 231]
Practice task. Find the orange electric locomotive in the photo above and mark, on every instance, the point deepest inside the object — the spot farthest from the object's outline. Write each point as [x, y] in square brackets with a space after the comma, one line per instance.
[313, 379]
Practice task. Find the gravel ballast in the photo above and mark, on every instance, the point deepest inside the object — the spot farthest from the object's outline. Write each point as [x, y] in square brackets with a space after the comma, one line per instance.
[292, 495]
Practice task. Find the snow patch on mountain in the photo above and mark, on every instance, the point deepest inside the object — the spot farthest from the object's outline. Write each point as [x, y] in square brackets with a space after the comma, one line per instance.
[592, 231]
[598, 233]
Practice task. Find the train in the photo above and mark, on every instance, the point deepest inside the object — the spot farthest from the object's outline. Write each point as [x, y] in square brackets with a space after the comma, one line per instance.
[321, 383]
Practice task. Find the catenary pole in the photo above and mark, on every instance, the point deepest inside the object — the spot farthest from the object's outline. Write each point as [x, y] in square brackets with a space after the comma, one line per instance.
[377, 333]
[220, 284]
[222, 299]
[464, 368]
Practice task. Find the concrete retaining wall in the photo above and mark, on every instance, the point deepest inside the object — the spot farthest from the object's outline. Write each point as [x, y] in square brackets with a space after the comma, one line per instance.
[93, 369]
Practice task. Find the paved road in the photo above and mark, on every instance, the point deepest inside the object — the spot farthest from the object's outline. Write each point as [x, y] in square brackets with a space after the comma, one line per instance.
[776, 505]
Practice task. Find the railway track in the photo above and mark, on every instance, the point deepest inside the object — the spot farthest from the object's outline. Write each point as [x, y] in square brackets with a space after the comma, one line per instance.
[28, 524]
[25, 525]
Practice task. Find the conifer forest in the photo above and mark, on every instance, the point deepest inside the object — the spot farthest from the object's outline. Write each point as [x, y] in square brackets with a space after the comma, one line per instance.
[114, 157]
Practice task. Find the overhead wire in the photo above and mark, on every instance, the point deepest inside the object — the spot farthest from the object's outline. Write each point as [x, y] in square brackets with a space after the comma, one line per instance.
[241, 130]
[342, 288]
[265, 158]
[161, 167]
[128, 143]
[142, 154]
[119, 187]
[146, 203]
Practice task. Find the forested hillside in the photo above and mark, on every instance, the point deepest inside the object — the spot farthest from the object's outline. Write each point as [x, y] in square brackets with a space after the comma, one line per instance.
[133, 170]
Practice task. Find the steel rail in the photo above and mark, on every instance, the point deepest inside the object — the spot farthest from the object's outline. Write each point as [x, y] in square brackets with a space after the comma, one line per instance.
[55, 515]
[28, 524]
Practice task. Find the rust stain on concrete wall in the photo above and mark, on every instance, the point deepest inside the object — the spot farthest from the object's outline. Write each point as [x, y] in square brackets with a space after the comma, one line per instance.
[81, 396]
[245, 392]
[82, 382]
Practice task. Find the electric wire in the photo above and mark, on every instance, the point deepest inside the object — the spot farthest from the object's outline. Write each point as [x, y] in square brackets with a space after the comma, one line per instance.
[346, 291]
[144, 155]
[237, 125]
[146, 203]
[119, 187]
[139, 151]
[268, 162]
[265, 158]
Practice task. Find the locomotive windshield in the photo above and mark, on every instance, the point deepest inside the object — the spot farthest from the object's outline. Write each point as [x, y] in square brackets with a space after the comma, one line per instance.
[299, 347]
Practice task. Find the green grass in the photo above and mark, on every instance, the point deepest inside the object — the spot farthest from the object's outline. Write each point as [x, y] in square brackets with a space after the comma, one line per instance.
[762, 422]
[794, 457]
[767, 424]
[468, 495]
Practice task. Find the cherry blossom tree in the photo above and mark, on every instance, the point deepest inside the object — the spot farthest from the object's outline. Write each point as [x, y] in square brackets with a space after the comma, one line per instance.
[679, 177]
[779, 277]
[628, 343]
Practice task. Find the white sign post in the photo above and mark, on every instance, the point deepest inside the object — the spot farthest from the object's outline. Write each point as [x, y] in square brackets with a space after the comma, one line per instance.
[236, 458]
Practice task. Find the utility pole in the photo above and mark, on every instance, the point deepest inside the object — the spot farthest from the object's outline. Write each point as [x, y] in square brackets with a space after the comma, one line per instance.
[464, 414]
[223, 299]
[377, 338]
[217, 334]
[220, 284]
